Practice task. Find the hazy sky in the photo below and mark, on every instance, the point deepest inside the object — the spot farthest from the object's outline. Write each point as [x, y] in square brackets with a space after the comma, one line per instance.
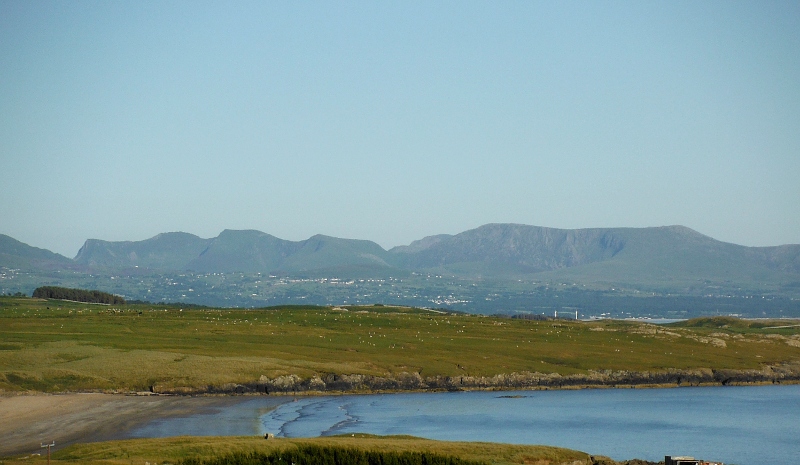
[391, 121]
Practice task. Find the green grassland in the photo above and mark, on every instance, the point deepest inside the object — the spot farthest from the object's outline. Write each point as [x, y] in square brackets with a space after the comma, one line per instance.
[55, 346]
[173, 450]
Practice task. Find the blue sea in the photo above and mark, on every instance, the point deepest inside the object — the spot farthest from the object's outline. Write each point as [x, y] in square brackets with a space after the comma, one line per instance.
[744, 425]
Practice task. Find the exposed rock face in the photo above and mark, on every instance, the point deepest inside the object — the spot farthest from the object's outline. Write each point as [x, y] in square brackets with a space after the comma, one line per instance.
[789, 373]
[520, 247]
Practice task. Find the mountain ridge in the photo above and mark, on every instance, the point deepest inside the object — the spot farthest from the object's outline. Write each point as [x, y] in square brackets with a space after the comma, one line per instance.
[665, 256]
[162, 251]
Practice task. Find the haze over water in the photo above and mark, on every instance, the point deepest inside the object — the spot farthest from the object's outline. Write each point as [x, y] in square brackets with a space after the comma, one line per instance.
[749, 425]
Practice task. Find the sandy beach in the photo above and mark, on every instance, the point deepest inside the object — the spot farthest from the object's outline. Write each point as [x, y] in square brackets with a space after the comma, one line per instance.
[27, 421]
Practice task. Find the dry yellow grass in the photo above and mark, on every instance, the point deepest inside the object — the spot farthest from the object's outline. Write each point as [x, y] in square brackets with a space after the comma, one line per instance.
[64, 346]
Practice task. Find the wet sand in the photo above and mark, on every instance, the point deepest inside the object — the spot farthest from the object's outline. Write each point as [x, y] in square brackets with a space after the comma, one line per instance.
[27, 421]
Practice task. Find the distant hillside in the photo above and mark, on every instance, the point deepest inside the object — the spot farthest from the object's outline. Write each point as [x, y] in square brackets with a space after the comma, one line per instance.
[325, 252]
[244, 251]
[234, 251]
[665, 259]
[661, 256]
[512, 249]
[255, 251]
[18, 255]
[166, 252]
[679, 258]
[421, 244]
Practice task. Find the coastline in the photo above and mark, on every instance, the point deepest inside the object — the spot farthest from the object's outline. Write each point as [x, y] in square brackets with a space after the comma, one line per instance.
[31, 419]
[330, 384]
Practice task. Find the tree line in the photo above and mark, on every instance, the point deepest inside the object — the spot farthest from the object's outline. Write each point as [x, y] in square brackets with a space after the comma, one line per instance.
[79, 295]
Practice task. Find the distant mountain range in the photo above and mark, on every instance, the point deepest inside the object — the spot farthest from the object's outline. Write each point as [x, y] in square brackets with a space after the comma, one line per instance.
[666, 256]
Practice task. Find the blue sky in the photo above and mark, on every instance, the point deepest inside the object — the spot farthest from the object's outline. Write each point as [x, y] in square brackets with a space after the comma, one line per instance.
[391, 121]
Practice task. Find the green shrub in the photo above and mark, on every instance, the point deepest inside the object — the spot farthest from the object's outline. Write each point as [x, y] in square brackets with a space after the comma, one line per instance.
[79, 295]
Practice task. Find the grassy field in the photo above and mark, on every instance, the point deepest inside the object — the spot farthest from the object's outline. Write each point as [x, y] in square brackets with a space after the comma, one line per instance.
[54, 346]
[172, 450]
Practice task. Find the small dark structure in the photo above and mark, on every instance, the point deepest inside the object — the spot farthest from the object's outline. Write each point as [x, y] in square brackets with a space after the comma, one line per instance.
[669, 460]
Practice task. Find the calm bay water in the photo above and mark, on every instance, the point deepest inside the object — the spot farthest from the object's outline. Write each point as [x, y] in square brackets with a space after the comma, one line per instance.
[749, 425]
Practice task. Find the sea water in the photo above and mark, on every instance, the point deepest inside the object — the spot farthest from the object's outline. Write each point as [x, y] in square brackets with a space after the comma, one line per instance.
[745, 425]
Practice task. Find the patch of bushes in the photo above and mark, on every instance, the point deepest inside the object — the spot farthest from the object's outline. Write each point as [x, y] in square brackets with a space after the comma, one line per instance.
[79, 295]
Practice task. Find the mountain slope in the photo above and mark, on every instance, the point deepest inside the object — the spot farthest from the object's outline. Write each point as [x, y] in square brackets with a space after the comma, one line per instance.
[16, 254]
[255, 251]
[662, 256]
[513, 247]
[164, 252]
[325, 252]
[244, 251]
[421, 244]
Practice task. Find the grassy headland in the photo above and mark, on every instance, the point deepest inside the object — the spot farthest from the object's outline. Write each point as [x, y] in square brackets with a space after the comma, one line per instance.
[55, 346]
